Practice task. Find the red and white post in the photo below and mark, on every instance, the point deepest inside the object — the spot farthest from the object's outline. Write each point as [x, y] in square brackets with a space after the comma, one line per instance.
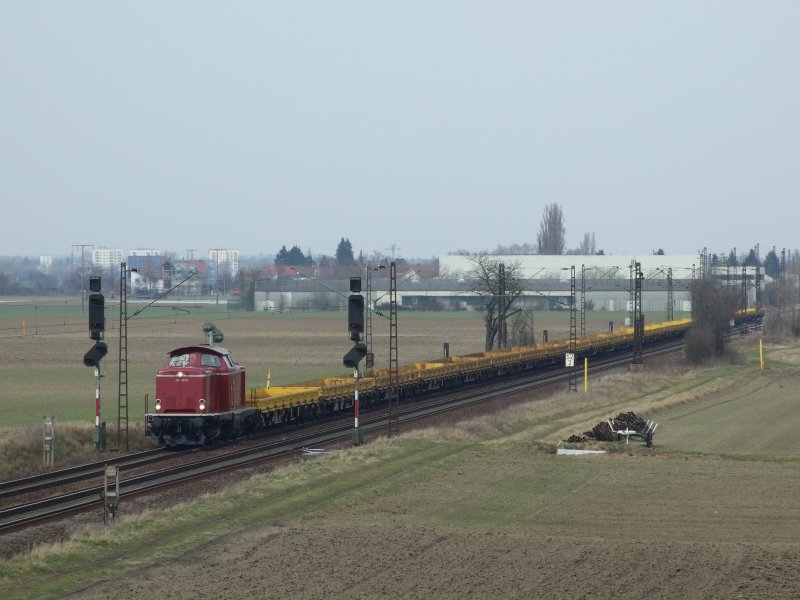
[99, 437]
[358, 436]
[97, 397]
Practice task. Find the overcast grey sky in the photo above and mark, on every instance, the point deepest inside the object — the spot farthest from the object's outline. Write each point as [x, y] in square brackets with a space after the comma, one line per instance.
[433, 126]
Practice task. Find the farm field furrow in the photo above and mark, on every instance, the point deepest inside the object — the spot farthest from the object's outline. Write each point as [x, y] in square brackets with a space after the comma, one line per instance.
[484, 508]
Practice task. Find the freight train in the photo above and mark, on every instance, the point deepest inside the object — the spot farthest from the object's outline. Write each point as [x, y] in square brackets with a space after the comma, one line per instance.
[201, 395]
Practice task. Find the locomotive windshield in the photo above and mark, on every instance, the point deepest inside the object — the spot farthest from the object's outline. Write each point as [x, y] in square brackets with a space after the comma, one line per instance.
[179, 360]
[210, 360]
[197, 357]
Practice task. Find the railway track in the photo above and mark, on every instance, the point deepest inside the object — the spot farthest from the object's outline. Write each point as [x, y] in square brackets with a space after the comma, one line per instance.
[76, 474]
[63, 502]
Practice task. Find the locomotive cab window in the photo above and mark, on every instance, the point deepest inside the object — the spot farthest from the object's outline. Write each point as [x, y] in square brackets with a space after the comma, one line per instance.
[210, 360]
[179, 360]
[228, 361]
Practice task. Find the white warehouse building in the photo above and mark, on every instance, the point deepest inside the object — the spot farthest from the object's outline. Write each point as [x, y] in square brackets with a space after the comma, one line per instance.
[595, 266]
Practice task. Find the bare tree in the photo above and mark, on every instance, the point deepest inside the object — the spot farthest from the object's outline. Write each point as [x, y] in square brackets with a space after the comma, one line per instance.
[550, 239]
[522, 328]
[587, 245]
[524, 248]
[712, 308]
[499, 285]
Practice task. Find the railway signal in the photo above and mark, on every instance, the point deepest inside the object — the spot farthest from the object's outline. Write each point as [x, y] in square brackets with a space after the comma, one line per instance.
[97, 317]
[95, 354]
[355, 326]
[355, 316]
[354, 356]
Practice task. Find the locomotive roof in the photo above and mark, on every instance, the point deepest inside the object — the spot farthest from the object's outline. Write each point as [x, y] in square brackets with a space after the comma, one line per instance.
[200, 348]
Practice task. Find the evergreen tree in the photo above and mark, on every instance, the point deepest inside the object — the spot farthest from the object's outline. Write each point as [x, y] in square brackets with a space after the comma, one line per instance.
[282, 256]
[752, 259]
[772, 265]
[344, 253]
[296, 257]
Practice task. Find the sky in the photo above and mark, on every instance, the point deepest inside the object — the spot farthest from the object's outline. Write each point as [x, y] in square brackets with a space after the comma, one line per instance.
[424, 127]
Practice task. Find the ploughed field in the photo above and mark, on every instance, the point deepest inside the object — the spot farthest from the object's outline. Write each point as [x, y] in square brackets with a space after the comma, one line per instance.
[42, 371]
[484, 508]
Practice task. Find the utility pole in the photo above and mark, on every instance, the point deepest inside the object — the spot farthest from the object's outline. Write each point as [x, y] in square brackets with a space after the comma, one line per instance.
[632, 295]
[370, 362]
[758, 289]
[122, 395]
[122, 390]
[394, 369]
[638, 318]
[573, 334]
[502, 330]
[83, 272]
[583, 300]
[744, 287]
[670, 299]
[704, 263]
[782, 283]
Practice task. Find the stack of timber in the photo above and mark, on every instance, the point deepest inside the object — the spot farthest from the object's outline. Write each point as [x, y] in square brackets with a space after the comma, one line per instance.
[602, 432]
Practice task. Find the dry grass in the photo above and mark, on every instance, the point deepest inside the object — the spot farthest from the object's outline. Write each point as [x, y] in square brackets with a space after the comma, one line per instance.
[21, 446]
[555, 417]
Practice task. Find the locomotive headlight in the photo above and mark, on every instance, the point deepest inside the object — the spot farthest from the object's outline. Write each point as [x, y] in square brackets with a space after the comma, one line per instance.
[158, 404]
[202, 405]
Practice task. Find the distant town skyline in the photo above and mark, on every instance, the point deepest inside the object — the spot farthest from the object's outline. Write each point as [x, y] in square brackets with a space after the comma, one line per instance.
[114, 255]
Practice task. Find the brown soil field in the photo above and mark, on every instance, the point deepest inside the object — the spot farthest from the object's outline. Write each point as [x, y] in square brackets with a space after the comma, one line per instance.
[485, 509]
[328, 561]
[44, 374]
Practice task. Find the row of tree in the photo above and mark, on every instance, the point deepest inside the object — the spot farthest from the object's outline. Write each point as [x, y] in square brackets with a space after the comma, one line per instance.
[771, 262]
[295, 257]
[343, 257]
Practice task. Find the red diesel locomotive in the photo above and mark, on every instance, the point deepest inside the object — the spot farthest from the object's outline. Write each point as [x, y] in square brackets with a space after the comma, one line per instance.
[200, 397]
